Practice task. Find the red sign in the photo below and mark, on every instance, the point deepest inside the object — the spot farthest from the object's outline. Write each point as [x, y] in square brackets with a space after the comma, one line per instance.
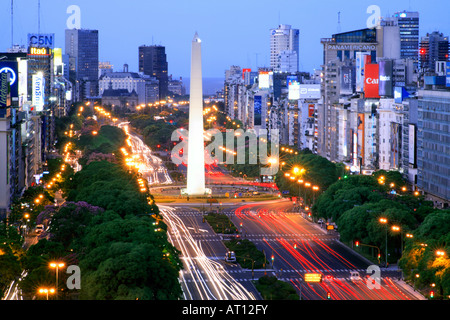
[371, 82]
[244, 71]
[311, 110]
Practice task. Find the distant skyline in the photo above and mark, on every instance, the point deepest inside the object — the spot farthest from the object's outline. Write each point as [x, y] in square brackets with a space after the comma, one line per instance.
[233, 32]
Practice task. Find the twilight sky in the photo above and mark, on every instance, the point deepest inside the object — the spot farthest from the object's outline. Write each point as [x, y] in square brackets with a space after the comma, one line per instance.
[233, 32]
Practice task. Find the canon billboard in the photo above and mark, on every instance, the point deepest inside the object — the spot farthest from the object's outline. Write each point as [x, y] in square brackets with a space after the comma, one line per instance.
[386, 83]
[371, 81]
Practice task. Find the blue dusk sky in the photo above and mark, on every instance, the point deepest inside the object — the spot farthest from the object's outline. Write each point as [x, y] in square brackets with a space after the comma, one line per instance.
[233, 32]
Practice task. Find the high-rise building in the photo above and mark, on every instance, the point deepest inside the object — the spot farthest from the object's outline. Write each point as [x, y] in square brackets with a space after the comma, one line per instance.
[408, 23]
[284, 42]
[434, 47]
[82, 48]
[153, 62]
[433, 144]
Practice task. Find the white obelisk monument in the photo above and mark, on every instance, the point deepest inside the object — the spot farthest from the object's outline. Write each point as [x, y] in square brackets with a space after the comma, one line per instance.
[196, 147]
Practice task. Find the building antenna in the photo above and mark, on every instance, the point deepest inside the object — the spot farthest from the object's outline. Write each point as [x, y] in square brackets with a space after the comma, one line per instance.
[39, 16]
[12, 23]
[339, 22]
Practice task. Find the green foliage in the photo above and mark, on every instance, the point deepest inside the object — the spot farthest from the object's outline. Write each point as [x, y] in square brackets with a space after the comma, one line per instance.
[273, 289]
[221, 223]
[246, 253]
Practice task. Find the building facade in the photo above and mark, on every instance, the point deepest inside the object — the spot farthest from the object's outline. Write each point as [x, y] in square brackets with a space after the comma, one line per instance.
[153, 62]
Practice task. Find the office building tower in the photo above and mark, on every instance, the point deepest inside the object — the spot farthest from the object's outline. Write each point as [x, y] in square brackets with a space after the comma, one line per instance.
[82, 48]
[284, 43]
[434, 47]
[433, 144]
[340, 56]
[408, 23]
[153, 62]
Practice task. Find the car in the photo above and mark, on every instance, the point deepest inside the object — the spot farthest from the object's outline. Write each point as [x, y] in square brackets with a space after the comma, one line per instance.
[230, 256]
[39, 228]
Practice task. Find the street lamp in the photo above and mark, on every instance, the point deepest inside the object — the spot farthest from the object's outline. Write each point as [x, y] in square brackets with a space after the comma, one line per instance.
[385, 221]
[46, 291]
[57, 265]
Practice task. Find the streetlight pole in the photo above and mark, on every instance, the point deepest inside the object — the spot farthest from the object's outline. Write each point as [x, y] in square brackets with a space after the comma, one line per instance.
[57, 265]
[384, 221]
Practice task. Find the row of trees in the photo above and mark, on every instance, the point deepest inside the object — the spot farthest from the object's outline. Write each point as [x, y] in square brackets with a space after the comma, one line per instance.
[108, 228]
[379, 211]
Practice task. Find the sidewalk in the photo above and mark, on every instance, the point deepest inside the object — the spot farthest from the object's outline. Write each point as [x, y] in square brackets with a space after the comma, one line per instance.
[411, 290]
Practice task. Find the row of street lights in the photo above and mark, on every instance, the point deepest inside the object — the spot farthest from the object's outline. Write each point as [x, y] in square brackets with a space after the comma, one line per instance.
[45, 290]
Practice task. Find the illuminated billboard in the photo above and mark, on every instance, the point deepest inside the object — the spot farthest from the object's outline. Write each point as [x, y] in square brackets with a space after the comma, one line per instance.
[38, 91]
[244, 71]
[294, 90]
[386, 84]
[41, 40]
[11, 67]
[347, 80]
[310, 91]
[23, 82]
[371, 81]
[360, 140]
[447, 74]
[58, 61]
[4, 90]
[362, 58]
[34, 51]
[265, 79]
[257, 107]
[311, 110]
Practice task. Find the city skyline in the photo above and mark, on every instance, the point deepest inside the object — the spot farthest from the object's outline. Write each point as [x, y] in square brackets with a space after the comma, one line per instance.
[244, 41]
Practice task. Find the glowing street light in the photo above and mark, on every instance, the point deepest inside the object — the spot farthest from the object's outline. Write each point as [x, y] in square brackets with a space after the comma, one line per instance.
[56, 265]
[46, 291]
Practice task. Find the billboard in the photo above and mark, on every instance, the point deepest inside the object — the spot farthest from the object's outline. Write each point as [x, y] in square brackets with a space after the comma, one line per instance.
[23, 81]
[400, 94]
[412, 144]
[362, 58]
[347, 80]
[395, 145]
[447, 74]
[361, 137]
[310, 91]
[294, 90]
[311, 110]
[371, 80]
[11, 67]
[58, 61]
[244, 71]
[40, 40]
[386, 82]
[265, 79]
[257, 110]
[4, 90]
[38, 91]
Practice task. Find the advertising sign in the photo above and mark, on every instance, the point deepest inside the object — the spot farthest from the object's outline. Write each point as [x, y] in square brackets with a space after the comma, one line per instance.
[310, 91]
[257, 107]
[4, 90]
[371, 81]
[447, 74]
[361, 136]
[23, 81]
[41, 40]
[395, 145]
[412, 144]
[244, 71]
[361, 59]
[313, 277]
[311, 109]
[11, 67]
[264, 79]
[386, 81]
[294, 90]
[347, 80]
[38, 92]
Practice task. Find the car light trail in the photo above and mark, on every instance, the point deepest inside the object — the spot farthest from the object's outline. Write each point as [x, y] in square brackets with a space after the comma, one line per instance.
[211, 281]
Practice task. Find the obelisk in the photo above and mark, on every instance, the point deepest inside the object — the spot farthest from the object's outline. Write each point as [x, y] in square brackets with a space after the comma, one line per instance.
[196, 148]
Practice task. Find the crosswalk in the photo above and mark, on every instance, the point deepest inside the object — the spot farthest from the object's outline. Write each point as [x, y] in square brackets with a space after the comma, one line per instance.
[228, 213]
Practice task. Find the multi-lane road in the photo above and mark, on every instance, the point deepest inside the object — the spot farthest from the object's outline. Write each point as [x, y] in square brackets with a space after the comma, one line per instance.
[294, 245]
[297, 246]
